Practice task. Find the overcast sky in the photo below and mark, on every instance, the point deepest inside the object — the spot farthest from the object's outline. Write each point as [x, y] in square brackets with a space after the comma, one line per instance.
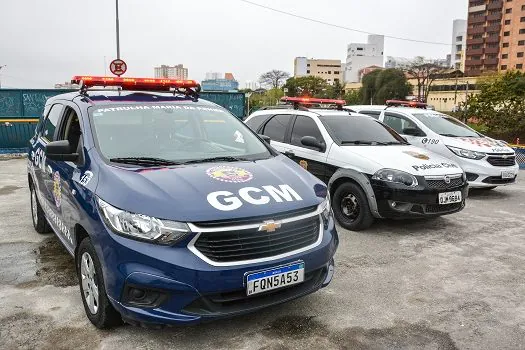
[46, 42]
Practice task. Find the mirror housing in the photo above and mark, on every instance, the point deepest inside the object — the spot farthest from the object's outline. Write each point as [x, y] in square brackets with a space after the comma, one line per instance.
[413, 132]
[61, 151]
[266, 138]
[311, 141]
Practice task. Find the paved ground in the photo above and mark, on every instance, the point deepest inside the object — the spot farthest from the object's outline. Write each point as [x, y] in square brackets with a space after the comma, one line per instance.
[451, 283]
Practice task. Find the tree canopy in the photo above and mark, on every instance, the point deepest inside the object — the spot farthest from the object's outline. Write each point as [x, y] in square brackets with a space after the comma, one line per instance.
[274, 78]
[424, 73]
[381, 85]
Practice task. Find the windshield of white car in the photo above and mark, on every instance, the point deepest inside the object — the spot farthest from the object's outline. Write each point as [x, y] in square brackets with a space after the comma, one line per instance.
[173, 134]
[362, 131]
[445, 125]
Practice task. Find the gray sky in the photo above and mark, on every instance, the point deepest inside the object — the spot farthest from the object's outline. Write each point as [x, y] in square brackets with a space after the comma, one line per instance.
[45, 42]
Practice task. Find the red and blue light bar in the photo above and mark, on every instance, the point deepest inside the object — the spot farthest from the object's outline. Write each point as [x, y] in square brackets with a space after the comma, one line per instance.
[311, 100]
[156, 84]
[414, 104]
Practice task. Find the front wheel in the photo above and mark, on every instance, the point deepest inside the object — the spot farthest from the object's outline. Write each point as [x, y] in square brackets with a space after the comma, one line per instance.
[37, 214]
[351, 208]
[96, 303]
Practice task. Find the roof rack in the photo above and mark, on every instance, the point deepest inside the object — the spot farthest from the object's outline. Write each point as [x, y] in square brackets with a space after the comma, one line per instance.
[310, 102]
[185, 87]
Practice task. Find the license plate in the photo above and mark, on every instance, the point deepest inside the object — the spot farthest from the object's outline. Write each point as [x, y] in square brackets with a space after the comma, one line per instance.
[450, 197]
[507, 174]
[280, 277]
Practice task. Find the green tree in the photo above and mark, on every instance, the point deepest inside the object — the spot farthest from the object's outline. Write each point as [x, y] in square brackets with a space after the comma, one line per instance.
[353, 97]
[500, 104]
[424, 73]
[307, 86]
[336, 90]
[274, 78]
[381, 85]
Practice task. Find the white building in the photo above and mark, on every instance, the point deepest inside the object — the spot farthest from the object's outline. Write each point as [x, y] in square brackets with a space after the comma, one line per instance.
[459, 43]
[214, 76]
[359, 56]
[252, 85]
[171, 72]
[404, 63]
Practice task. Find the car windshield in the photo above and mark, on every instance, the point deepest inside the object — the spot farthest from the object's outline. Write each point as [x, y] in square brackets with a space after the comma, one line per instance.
[171, 132]
[445, 125]
[354, 130]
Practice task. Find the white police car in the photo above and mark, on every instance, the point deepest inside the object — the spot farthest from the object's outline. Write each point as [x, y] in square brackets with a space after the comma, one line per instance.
[487, 162]
[371, 170]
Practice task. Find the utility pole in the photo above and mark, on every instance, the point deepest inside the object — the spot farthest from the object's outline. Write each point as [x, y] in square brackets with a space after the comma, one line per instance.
[118, 33]
[466, 104]
[1, 66]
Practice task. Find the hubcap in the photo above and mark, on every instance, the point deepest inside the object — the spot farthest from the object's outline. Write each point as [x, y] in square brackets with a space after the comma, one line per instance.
[89, 282]
[350, 207]
[34, 210]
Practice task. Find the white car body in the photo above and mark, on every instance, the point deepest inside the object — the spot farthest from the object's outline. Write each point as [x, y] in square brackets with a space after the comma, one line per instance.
[496, 165]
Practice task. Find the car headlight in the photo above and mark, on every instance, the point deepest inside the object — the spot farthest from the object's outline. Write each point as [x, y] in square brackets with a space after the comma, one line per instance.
[326, 207]
[465, 153]
[396, 176]
[142, 227]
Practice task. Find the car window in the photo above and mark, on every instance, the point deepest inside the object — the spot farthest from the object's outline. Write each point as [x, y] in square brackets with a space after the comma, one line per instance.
[305, 126]
[360, 130]
[275, 128]
[255, 122]
[50, 125]
[70, 129]
[374, 114]
[173, 131]
[398, 122]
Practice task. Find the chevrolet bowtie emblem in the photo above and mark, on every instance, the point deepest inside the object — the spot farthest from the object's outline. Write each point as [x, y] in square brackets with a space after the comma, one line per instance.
[269, 226]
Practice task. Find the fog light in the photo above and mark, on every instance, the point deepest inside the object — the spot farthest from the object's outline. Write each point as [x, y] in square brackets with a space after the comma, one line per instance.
[394, 204]
[143, 297]
[137, 294]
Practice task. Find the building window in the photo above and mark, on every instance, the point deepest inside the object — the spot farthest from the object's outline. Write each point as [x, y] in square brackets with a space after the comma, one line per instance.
[522, 31]
[308, 65]
[521, 43]
[476, 58]
[506, 34]
[504, 67]
[523, 7]
[307, 72]
[519, 66]
[520, 54]
[459, 38]
[477, 36]
[508, 11]
[505, 44]
[522, 19]
[474, 47]
[507, 22]
[359, 49]
[504, 56]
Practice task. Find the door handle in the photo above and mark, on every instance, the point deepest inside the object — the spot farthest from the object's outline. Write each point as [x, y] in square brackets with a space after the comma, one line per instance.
[289, 154]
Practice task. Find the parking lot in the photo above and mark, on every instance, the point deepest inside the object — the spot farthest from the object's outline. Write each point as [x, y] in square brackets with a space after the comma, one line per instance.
[455, 282]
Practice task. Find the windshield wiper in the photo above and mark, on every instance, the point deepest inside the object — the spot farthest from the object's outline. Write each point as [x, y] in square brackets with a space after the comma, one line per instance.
[391, 143]
[216, 159]
[144, 161]
[449, 135]
[356, 142]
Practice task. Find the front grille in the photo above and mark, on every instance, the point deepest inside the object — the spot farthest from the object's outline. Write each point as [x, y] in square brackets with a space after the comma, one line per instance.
[500, 160]
[442, 208]
[498, 180]
[253, 244]
[442, 185]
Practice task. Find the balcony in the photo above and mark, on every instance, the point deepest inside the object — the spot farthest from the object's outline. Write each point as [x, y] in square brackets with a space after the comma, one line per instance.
[477, 19]
[493, 28]
[475, 52]
[494, 17]
[495, 5]
[490, 50]
[470, 63]
[472, 72]
[475, 41]
[490, 62]
[492, 39]
[476, 30]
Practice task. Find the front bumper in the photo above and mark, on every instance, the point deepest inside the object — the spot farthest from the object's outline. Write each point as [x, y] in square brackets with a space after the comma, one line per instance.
[396, 201]
[189, 289]
[480, 173]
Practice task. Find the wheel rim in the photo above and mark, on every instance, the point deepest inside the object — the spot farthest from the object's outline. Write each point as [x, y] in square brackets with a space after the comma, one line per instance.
[34, 209]
[350, 207]
[89, 282]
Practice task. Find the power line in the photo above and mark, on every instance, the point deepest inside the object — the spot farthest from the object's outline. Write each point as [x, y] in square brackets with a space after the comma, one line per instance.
[342, 27]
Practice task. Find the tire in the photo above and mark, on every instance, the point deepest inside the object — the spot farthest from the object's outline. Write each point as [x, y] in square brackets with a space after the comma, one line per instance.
[351, 208]
[37, 213]
[92, 289]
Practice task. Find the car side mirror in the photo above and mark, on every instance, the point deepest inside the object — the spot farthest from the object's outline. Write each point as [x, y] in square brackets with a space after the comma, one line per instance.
[413, 132]
[265, 138]
[311, 141]
[61, 151]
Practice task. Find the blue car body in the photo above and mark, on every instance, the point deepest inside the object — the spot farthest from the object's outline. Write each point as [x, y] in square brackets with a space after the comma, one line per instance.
[186, 283]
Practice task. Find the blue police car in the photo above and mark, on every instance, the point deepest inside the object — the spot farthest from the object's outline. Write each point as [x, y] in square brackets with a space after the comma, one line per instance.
[174, 210]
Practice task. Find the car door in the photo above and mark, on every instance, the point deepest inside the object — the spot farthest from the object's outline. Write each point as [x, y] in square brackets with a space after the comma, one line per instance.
[310, 158]
[404, 126]
[277, 128]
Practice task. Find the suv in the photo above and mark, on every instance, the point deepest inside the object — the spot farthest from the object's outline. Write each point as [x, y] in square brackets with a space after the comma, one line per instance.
[174, 210]
[487, 162]
[372, 172]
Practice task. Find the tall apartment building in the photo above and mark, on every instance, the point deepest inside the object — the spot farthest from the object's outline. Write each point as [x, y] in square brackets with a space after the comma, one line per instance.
[329, 70]
[495, 36]
[171, 72]
[362, 55]
[459, 43]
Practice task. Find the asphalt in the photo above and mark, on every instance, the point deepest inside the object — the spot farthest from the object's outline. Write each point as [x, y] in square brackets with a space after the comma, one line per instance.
[456, 282]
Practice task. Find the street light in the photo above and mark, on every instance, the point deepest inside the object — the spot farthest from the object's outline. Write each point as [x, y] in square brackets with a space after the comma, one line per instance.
[2, 66]
[248, 94]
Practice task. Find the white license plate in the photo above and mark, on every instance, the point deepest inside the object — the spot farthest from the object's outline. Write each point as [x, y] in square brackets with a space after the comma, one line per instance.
[280, 277]
[450, 197]
[507, 174]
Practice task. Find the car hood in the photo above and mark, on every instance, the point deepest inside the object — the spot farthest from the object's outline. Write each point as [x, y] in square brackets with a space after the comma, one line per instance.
[406, 158]
[212, 191]
[479, 144]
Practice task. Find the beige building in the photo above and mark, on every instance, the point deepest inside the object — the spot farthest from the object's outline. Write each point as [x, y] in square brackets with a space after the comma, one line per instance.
[329, 70]
[171, 72]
